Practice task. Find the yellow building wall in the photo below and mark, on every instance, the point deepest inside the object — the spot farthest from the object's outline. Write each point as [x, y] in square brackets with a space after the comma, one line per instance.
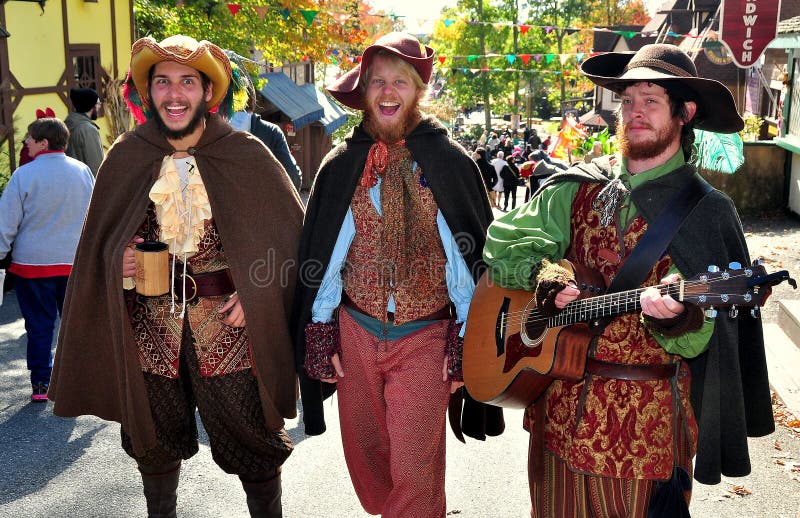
[36, 50]
[36, 45]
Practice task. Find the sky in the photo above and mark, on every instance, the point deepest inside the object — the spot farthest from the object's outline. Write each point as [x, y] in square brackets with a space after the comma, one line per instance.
[419, 15]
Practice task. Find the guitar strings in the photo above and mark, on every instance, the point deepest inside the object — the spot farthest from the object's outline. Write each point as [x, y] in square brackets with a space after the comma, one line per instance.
[535, 317]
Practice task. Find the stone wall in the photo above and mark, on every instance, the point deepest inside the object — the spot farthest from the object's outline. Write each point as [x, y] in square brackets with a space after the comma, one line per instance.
[759, 185]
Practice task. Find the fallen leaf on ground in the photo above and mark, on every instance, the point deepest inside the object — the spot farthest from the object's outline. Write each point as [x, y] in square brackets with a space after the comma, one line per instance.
[740, 490]
[779, 462]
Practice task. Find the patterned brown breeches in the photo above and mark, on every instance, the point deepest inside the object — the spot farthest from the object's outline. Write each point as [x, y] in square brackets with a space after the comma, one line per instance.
[230, 410]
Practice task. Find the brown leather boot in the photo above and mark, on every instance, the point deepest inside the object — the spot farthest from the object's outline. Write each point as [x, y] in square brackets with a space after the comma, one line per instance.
[160, 489]
[264, 498]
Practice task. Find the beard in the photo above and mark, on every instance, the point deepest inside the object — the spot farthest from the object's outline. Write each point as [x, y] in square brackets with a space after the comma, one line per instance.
[197, 118]
[641, 150]
[93, 114]
[395, 131]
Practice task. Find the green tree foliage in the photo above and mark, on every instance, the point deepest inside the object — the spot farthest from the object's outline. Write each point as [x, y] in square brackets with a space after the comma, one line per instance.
[549, 85]
[282, 31]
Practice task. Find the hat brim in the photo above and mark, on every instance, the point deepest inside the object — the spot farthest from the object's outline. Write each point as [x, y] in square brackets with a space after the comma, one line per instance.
[347, 89]
[716, 109]
[206, 57]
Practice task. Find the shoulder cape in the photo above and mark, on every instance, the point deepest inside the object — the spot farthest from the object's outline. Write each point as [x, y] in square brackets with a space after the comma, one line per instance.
[459, 191]
[259, 218]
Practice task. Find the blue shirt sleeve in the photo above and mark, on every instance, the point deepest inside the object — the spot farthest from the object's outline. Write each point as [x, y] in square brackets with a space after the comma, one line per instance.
[329, 295]
[460, 284]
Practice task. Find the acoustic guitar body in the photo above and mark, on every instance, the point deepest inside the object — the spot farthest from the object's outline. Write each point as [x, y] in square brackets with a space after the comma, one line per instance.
[511, 355]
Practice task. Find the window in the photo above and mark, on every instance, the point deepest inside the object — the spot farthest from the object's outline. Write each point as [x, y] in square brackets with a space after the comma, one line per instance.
[86, 72]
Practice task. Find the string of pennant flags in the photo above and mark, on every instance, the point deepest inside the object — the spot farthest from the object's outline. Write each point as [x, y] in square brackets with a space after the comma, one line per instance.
[310, 15]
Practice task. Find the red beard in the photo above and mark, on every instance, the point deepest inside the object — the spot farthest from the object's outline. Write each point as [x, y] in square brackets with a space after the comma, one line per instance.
[664, 137]
[395, 132]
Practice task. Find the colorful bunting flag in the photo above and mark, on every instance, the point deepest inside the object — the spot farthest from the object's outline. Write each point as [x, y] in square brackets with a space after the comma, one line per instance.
[261, 11]
[234, 8]
[309, 15]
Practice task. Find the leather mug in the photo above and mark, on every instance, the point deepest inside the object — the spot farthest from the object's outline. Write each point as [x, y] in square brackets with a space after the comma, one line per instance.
[152, 268]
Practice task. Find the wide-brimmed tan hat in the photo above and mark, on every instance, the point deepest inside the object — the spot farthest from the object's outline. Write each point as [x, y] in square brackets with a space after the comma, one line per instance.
[347, 88]
[200, 55]
[672, 68]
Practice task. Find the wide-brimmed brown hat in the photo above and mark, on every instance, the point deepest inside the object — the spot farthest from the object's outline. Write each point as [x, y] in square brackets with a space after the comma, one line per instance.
[672, 68]
[347, 89]
[200, 55]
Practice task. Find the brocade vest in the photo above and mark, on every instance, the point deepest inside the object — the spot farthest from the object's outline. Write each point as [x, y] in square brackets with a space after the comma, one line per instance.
[158, 331]
[613, 427]
[424, 291]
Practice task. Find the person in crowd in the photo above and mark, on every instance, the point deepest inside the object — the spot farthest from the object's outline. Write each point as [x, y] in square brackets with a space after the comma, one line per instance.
[499, 163]
[510, 175]
[270, 134]
[381, 313]
[535, 141]
[41, 215]
[492, 143]
[525, 172]
[596, 152]
[24, 153]
[84, 134]
[487, 170]
[215, 337]
[663, 381]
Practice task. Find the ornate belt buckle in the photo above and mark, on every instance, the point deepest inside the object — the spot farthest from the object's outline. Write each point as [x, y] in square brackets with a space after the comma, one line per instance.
[194, 288]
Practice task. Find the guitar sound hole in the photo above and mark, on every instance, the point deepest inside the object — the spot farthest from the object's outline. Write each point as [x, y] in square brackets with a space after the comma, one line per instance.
[535, 326]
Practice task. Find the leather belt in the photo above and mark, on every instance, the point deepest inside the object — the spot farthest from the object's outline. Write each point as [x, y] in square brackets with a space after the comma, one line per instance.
[444, 313]
[205, 284]
[632, 372]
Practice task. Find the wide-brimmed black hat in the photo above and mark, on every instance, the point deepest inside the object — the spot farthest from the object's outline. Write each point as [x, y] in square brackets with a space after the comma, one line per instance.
[672, 68]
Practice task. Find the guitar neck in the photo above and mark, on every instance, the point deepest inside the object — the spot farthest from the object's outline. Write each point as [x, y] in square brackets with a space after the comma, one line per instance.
[612, 304]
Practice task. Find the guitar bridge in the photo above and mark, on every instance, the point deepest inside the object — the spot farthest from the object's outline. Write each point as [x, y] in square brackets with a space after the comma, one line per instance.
[500, 327]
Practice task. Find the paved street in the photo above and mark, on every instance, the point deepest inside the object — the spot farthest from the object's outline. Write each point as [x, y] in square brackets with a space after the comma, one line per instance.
[54, 467]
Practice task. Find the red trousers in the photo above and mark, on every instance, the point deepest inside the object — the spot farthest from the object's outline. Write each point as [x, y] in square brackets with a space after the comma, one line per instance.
[392, 407]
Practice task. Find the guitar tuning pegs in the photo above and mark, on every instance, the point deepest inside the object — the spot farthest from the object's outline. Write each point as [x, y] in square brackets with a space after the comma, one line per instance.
[711, 313]
[713, 269]
[734, 265]
[755, 312]
[733, 312]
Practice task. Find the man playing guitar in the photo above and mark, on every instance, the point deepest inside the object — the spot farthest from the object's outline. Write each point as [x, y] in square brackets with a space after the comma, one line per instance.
[663, 383]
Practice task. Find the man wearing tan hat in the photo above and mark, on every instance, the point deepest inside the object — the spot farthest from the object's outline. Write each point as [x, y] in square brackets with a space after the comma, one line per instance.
[394, 229]
[215, 338]
[663, 382]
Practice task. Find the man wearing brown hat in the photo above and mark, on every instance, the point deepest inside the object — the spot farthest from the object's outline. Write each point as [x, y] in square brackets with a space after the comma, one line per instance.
[84, 135]
[389, 255]
[216, 337]
[663, 382]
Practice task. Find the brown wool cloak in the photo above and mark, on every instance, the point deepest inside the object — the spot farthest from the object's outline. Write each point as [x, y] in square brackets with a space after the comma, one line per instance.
[259, 217]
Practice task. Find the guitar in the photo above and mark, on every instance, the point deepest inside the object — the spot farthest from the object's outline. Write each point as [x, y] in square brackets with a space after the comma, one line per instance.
[512, 352]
